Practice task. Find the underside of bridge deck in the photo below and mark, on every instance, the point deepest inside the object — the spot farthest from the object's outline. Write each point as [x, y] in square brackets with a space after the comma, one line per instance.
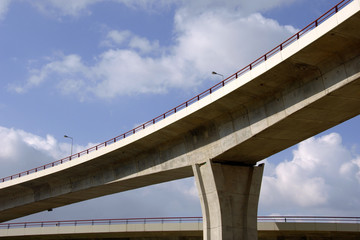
[313, 84]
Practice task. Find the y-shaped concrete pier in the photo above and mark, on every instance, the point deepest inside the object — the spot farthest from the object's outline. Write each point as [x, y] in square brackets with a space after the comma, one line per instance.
[229, 195]
[295, 92]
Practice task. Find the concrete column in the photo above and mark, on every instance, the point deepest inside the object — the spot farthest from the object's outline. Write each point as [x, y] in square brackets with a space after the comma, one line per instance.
[229, 196]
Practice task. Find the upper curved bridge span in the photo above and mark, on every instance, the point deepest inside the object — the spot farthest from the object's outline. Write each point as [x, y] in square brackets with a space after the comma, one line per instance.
[195, 99]
[302, 87]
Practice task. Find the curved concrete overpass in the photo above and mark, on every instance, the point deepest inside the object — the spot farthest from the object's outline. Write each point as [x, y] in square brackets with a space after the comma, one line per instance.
[302, 87]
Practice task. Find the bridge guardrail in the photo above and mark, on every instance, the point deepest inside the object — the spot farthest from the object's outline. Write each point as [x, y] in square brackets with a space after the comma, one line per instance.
[200, 96]
[100, 222]
[280, 219]
[317, 219]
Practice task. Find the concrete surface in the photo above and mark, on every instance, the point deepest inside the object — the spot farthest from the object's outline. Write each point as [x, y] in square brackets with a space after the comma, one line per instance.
[184, 231]
[229, 196]
[310, 86]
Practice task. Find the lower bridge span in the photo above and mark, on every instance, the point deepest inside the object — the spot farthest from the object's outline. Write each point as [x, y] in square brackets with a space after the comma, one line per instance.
[307, 84]
[183, 228]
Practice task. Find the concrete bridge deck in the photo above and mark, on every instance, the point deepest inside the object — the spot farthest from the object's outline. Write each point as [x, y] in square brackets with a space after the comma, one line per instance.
[180, 228]
[304, 86]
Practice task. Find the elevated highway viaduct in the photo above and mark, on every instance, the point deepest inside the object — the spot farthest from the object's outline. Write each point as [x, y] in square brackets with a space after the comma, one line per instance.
[269, 228]
[304, 86]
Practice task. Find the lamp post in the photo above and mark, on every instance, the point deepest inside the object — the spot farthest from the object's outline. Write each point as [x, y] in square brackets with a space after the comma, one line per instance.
[215, 73]
[72, 142]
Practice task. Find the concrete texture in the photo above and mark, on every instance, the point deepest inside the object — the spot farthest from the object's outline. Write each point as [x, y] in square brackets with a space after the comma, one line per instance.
[310, 86]
[115, 231]
[184, 231]
[229, 196]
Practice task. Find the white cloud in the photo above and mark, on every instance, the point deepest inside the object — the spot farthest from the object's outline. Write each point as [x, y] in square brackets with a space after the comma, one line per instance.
[219, 41]
[225, 42]
[127, 39]
[21, 151]
[61, 69]
[4, 7]
[322, 178]
[64, 7]
[81, 7]
[60, 8]
[143, 44]
[116, 38]
[193, 8]
[125, 72]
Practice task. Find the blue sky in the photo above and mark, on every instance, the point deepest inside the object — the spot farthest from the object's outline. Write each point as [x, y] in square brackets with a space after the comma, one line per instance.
[93, 69]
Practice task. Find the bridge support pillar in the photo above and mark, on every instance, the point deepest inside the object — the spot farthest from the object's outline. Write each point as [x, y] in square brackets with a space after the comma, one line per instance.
[229, 196]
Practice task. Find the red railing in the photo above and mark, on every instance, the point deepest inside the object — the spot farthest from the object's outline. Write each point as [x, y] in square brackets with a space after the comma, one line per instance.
[100, 222]
[317, 219]
[207, 92]
[312, 219]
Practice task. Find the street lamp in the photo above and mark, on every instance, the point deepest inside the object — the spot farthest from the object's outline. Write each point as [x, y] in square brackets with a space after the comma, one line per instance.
[72, 142]
[215, 73]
